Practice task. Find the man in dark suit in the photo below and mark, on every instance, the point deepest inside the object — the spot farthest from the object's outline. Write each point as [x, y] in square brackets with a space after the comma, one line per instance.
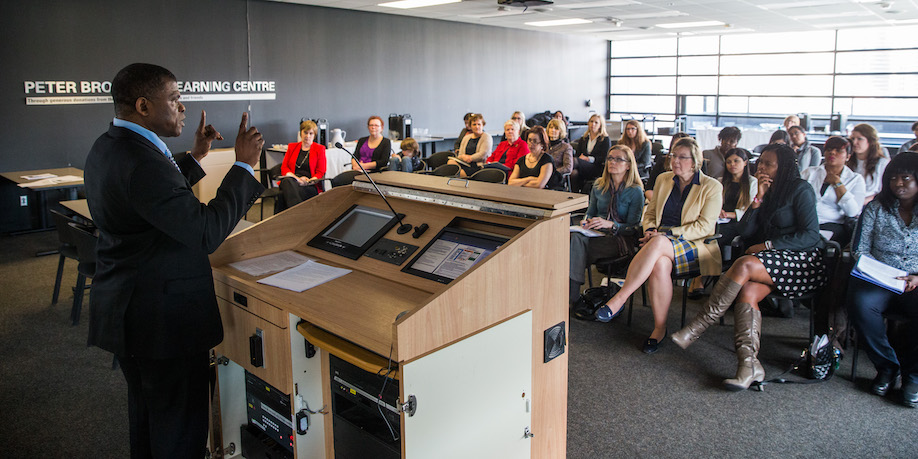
[152, 302]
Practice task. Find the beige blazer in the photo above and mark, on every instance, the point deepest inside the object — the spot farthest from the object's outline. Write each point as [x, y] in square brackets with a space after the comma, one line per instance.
[481, 151]
[699, 217]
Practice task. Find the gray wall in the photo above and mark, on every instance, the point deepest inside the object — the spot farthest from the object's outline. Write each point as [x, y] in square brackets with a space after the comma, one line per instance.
[336, 64]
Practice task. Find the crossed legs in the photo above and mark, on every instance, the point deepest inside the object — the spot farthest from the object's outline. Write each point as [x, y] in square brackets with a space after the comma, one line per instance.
[652, 264]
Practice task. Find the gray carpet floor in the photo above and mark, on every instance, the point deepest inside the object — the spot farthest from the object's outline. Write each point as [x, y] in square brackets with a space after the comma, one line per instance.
[60, 399]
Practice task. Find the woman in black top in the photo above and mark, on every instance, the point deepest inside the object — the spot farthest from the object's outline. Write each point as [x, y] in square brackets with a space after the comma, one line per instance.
[740, 189]
[533, 170]
[590, 154]
[782, 233]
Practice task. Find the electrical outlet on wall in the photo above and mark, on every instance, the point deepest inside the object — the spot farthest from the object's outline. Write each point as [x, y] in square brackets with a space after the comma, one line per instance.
[23, 201]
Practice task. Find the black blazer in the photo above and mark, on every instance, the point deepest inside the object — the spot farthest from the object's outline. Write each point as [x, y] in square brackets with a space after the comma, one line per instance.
[153, 291]
[380, 154]
[793, 225]
[600, 151]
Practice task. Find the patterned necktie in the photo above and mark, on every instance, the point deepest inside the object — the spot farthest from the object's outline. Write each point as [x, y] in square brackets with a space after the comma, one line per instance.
[172, 160]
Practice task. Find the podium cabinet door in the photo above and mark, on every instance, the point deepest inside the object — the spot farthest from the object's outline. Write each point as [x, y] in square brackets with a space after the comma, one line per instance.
[473, 396]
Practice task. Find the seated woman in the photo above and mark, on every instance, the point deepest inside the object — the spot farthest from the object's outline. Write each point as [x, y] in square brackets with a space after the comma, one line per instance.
[590, 154]
[303, 169]
[740, 189]
[463, 132]
[616, 202]
[373, 150]
[680, 216]
[729, 138]
[662, 163]
[509, 151]
[520, 118]
[868, 158]
[839, 190]
[406, 160]
[807, 155]
[887, 232]
[784, 254]
[535, 169]
[634, 137]
[561, 152]
[473, 148]
[776, 137]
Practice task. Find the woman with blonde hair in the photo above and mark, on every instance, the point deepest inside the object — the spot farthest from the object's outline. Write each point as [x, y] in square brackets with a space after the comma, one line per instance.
[681, 214]
[590, 154]
[616, 202]
[634, 137]
[561, 152]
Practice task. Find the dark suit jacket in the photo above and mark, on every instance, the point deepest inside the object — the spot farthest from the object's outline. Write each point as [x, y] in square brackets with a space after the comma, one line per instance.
[153, 292]
[792, 226]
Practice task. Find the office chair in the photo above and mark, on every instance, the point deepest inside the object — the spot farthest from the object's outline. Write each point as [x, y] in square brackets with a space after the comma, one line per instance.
[447, 170]
[67, 248]
[85, 241]
[491, 175]
[269, 179]
[438, 159]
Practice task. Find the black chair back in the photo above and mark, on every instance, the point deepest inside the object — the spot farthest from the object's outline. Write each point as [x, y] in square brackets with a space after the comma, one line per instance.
[438, 159]
[85, 241]
[344, 178]
[490, 175]
[63, 231]
[447, 170]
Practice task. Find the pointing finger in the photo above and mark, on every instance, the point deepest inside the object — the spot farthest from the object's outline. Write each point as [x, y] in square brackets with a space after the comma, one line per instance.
[244, 122]
[203, 121]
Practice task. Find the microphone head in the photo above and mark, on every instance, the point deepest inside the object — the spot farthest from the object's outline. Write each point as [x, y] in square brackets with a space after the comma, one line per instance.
[338, 145]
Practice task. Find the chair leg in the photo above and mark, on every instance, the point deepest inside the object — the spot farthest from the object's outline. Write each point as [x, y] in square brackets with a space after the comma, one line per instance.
[78, 292]
[57, 280]
[685, 287]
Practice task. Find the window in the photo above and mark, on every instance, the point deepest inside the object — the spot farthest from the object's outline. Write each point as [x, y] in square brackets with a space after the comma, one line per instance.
[869, 74]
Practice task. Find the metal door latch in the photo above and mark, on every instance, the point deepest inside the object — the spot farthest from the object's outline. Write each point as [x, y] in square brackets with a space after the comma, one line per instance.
[527, 433]
[408, 407]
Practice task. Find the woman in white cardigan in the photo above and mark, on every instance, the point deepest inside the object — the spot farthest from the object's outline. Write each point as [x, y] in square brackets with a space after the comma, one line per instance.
[474, 147]
[839, 190]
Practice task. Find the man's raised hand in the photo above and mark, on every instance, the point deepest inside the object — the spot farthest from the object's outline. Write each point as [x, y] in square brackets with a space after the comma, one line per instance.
[249, 142]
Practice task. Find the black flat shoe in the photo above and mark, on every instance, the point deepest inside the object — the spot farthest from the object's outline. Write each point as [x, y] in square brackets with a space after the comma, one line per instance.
[696, 294]
[883, 382]
[910, 394]
[651, 346]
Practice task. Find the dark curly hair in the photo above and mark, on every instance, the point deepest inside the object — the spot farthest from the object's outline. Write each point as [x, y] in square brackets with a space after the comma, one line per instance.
[784, 179]
[903, 163]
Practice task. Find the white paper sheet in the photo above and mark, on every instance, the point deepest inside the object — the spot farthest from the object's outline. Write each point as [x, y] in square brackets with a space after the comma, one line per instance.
[304, 276]
[270, 263]
[52, 181]
[38, 176]
[586, 232]
[879, 273]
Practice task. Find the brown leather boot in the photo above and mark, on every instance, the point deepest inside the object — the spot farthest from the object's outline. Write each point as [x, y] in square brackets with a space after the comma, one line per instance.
[722, 297]
[747, 337]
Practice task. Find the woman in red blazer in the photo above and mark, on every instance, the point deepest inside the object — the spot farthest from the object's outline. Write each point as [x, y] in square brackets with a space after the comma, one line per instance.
[303, 169]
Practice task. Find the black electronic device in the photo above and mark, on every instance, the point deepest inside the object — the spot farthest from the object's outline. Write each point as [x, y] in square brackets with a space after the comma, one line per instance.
[257, 445]
[402, 226]
[401, 125]
[391, 251]
[837, 122]
[365, 417]
[322, 127]
[452, 252]
[268, 409]
[804, 121]
[354, 231]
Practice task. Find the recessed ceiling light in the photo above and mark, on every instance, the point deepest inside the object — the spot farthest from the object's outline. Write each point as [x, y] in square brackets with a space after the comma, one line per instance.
[687, 25]
[405, 4]
[559, 22]
[596, 4]
[661, 14]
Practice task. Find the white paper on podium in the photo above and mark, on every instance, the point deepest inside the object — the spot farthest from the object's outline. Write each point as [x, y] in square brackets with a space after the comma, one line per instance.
[304, 276]
[270, 263]
[51, 181]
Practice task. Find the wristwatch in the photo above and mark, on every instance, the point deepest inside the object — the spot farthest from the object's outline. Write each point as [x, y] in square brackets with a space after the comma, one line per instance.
[838, 185]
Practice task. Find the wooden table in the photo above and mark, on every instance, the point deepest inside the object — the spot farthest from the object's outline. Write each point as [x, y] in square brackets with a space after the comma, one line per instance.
[40, 191]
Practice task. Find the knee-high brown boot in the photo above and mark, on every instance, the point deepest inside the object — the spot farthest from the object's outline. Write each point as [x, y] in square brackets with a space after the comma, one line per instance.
[747, 337]
[722, 297]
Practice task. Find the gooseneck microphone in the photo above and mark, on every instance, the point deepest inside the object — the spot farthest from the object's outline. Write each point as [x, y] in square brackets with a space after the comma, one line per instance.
[403, 227]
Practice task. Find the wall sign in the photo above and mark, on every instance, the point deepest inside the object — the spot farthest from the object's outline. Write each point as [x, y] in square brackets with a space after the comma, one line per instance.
[68, 92]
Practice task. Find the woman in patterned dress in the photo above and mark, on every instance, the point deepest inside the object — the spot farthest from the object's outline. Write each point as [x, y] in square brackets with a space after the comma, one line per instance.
[784, 253]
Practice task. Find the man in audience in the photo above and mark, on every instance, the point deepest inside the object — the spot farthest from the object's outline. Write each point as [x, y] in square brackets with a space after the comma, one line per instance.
[152, 300]
[908, 145]
[714, 159]
[792, 120]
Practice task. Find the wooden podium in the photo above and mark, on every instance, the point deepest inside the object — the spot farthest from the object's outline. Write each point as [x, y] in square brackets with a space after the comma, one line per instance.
[468, 354]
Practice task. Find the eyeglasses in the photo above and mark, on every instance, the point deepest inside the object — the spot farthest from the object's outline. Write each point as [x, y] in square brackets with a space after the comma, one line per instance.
[682, 158]
[616, 159]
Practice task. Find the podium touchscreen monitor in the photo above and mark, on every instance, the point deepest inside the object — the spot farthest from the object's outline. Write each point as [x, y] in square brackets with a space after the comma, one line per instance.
[453, 252]
[351, 234]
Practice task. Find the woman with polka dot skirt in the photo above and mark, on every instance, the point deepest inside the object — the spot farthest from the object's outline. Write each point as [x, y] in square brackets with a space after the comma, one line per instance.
[784, 253]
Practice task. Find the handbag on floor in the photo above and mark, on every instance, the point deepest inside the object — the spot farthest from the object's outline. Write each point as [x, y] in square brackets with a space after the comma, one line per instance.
[817, 363]
[590, 300]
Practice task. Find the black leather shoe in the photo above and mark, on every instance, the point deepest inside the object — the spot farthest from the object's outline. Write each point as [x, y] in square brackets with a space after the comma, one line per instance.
[651, 346]
[910, 394]
[883, 382]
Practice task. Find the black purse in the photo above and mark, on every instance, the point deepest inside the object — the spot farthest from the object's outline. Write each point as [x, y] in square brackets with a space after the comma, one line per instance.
[590, 300]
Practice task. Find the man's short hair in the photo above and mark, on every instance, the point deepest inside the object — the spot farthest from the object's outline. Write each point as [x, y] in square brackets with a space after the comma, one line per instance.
[730, 133]
[135, 81]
